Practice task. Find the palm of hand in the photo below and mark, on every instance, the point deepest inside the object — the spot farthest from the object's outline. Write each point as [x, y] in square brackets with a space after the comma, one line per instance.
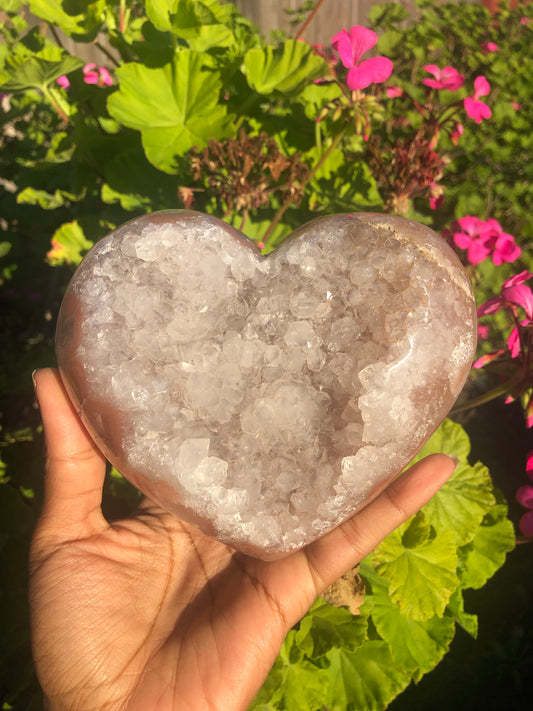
[148, 609]
[148, 613]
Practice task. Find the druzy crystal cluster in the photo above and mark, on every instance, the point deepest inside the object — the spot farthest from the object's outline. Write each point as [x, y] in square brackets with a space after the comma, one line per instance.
[265, 399]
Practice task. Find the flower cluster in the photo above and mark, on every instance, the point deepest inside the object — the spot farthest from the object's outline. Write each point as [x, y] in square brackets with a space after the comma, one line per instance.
[484, 238]
[474, 107]
[515, 363]
[351, 46]
[92, 74]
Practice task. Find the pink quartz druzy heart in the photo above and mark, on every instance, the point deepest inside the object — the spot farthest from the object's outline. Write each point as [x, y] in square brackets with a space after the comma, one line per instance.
[265, 399]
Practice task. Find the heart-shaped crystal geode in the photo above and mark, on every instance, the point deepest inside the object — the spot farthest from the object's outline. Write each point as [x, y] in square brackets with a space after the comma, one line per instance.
[265, 399]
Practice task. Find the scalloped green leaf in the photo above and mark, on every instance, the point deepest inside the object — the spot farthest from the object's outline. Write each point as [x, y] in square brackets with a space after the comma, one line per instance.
[456, 608]
[482, 557]
[288, 68]
[365, 679]
[175, 107]
[423, 575]
[77, 18]
[69, 244]
[199, 23]
[294, 683]
[326, 626]
[461, 504]
[37, 73]
[417, 646]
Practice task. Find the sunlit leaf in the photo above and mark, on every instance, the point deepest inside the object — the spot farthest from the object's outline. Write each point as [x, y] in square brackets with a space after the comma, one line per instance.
[69, 244]
[416, 646]
[287, 68]
[77, 18]
[326, 626]
[482, 557]
[463, 501]
[37, 73]
[422, 576]
[365, 679]
[175, 107]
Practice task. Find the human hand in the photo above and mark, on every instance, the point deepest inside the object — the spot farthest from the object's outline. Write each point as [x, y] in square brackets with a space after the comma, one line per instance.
[149, 613]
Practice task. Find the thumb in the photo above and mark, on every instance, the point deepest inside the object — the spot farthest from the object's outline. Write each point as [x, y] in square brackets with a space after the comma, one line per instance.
[75, 468]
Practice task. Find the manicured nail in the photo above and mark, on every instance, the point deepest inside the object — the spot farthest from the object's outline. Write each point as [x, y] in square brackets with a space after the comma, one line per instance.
[456, 461]
[33, 376]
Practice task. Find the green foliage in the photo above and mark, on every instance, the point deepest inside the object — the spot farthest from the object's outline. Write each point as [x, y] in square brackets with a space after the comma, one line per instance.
[194, 76]
[414, 597]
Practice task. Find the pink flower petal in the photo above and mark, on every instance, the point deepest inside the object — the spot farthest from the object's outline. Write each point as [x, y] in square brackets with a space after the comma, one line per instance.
[432, 69]
[470, 224]
[341, 43]
[491, 306]
[393, 92]
[517, 279]
[526, 524]
[513, 343]
[524, 496]
[521, 296]
[481, 86]
[89, 67]
[105, 76]
[362, 39]
[477, 252]
[370, 71]
[529, 465]
[488, 358]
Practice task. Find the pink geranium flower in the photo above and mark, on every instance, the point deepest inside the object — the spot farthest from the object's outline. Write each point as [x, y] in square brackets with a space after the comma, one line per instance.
[458, 132]
[445, 78]
[489, 47]
[474, 107]
[393, 92]
[63, 81]
[351, 47]
[467, 236]
[482, 238]
[96, 75]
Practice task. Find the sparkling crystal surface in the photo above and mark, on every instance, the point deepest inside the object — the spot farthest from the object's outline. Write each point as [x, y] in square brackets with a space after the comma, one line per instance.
[265, 399]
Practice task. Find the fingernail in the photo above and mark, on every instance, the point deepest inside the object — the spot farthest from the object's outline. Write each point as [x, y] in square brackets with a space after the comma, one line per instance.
[456, 461]
[33, 376]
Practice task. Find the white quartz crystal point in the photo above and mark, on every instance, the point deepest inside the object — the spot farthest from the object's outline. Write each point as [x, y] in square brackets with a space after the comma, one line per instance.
[265, 399]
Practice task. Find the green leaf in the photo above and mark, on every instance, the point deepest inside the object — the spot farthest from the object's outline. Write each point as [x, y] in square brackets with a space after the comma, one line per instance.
[456, 608]
[326, 626]
[294, 683]
[416, 646]
[422, 576]
[48, 201]
[482, 557]
[365, 679]
[197, 22]
[69, 244]
[287, 69]
[175, 107]
[37, 73]
[461, 504]
[77, 18]
[4, 248]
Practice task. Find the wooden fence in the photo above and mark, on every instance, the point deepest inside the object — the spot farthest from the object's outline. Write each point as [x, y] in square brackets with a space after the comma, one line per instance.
[268, 15]
[333, 16]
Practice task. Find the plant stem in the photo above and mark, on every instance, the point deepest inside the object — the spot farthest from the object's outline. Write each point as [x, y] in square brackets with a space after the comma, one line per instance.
[268, 236]
[311, 17]
[499, 390]
[107, 53]
[53, 103]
